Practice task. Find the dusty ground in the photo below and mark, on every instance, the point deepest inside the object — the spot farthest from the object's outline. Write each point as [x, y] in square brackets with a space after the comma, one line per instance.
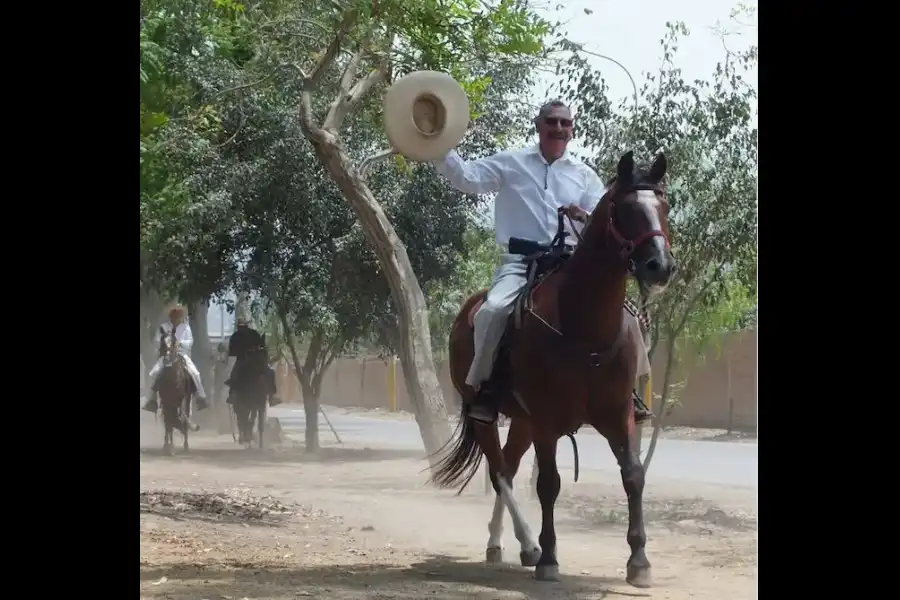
[226, 523]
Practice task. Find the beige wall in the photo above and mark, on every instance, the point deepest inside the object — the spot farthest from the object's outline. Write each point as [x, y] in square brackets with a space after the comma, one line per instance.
[704, 399]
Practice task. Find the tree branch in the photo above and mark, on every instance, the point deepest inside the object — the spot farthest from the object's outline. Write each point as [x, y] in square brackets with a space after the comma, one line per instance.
[291, 344]
[690, 305]
[347, 100]
[343, 89]
[325, 61]
[312, 353]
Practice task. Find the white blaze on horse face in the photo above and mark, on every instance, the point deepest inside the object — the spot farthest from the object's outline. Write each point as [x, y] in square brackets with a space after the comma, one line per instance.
[650, 204]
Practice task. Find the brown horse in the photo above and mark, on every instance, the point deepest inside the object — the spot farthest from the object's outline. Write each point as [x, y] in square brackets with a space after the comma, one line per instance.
[570, 359]
[251, 395]
[175, 388]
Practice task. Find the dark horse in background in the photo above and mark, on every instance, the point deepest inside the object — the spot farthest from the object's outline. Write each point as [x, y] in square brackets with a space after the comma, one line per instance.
[569, 358]
[250, 391]
[175, 387]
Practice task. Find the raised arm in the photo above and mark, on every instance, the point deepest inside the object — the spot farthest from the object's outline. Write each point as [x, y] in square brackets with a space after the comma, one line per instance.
[481, 176]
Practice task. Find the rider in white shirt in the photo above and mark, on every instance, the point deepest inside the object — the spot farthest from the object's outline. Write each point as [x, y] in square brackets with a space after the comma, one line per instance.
[531, 185]
[185, 341]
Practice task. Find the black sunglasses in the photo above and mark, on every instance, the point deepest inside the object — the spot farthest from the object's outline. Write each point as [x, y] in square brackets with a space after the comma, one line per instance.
[554, 121]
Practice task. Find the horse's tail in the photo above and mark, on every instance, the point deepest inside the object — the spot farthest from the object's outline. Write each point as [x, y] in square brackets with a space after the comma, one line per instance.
[462, 455]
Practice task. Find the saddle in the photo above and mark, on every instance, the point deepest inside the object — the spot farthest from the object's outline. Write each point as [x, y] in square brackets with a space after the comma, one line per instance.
[541, 260]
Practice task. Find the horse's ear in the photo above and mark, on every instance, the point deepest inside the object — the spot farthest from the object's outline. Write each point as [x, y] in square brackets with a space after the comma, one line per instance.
[264, 339]
[658, 168]
[625, 168]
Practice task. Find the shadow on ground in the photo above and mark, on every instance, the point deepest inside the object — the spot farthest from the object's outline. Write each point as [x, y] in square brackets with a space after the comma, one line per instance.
[683, 514]
[734, 436]
[439, 576]
[268, 456]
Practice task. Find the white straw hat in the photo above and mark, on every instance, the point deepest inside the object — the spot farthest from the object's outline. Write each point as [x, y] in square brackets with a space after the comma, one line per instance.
[426, 113]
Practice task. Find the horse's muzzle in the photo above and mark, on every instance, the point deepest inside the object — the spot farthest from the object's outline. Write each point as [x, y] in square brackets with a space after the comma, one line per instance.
[655, 272]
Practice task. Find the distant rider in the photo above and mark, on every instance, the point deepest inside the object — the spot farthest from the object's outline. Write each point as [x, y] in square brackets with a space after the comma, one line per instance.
[185, 341]
[241, 342]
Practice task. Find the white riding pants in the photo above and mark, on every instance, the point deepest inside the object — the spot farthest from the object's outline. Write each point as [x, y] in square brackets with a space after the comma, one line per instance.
[191, 369]
[492, 318]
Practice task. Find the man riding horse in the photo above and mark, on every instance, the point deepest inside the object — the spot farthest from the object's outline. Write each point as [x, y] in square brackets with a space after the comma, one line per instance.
[185, 340]
[532, 185]
[242, 342]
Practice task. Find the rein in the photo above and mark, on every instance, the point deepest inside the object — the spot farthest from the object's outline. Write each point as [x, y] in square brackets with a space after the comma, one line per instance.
[626, 248]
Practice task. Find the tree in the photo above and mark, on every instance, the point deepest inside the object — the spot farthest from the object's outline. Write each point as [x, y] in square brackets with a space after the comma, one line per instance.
[188, 48]
[308, 260]
[708, 134]
[385, 39]
[474, 272]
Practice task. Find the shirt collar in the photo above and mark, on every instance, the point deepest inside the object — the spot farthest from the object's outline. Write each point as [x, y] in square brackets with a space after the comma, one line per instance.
[536, 149]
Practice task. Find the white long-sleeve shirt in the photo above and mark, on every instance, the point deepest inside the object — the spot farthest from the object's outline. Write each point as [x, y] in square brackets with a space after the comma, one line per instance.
[529, 190]
[182, 333]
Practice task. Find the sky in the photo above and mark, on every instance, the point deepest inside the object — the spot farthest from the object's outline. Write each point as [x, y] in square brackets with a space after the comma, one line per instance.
[628, 31]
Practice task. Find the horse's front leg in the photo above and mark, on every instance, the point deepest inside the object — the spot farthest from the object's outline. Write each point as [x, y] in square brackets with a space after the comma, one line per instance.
[261, 425]
[517, 442]
[637, 569]
[187, 424]
[547, 490]
[168, 433]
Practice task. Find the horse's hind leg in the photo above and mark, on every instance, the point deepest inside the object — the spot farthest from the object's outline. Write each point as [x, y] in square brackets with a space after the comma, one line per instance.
[518, 441]
[261, 425]
[624, 447]
[501, 476]
[168, 435]
[548, 490]
[184, 434]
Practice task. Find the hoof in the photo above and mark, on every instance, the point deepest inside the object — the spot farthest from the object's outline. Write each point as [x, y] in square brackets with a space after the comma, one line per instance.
[639, 577]
[493, 556]
[546, 573]
[529, 558]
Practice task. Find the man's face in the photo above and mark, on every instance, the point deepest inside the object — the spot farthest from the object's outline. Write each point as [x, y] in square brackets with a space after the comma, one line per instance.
[176, 318]
[555, 130]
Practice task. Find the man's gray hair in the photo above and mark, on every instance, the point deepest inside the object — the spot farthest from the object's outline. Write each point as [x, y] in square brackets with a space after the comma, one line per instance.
[549, 106]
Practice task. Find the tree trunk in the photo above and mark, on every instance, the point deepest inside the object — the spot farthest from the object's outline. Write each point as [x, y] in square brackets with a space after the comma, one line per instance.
[201, 352]
[663, 401]
[311, 411]
[414, 348]
[241, 306]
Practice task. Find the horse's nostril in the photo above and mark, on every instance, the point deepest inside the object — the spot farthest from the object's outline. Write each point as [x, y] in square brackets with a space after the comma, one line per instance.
[653, 265]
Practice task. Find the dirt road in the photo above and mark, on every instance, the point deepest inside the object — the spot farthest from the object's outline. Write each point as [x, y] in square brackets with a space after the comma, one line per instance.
[226, 523]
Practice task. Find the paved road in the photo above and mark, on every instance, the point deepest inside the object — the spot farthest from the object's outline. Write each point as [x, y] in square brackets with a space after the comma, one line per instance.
[724, 463]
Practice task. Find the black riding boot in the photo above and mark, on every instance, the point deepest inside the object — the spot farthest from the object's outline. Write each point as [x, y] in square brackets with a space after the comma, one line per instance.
[483, 406]
[641, 412]
[274, 400]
